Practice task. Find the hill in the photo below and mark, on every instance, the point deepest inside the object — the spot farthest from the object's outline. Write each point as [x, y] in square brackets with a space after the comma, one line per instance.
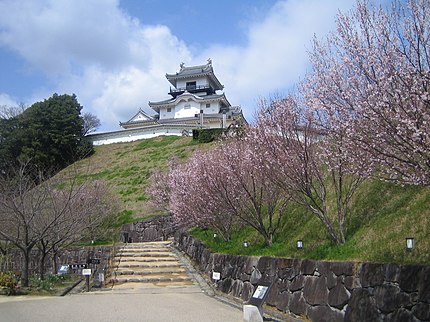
[126, 167]
[382, 214]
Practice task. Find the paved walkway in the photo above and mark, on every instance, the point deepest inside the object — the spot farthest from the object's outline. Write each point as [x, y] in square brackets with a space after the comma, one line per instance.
[168, 305]
[152, 283]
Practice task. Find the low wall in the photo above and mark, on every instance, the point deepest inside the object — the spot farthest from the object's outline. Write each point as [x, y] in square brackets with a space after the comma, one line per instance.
[73, 255]
[153, 229]
[321, 290]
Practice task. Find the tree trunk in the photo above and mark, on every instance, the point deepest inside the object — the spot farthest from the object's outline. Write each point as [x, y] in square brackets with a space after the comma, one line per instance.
[54, 263]
[42, 265]
[25, 269]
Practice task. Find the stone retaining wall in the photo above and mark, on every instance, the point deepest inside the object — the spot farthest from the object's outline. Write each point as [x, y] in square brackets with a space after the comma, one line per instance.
[153, 229]
[74, 255]
[321, 290]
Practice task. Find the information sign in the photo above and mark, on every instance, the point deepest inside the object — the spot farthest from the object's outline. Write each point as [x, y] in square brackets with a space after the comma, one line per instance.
[216, 276]
[86, 271]
[260, 294]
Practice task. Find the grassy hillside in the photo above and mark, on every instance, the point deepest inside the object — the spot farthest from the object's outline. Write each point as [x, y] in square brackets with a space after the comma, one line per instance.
[127, 167]
[382, 216]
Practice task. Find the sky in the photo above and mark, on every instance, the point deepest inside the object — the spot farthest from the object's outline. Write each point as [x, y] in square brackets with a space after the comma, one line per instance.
[114, 54]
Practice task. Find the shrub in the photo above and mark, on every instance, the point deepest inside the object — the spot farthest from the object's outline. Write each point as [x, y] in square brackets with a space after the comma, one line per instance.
[8, 281]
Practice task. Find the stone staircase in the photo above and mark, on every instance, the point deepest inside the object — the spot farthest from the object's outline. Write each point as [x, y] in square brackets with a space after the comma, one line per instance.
[139, 265]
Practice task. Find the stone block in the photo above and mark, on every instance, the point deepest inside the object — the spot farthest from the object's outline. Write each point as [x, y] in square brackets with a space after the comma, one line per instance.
[247, 291]
[282, 301]
[422, 311]
[324, 268]
[236, 288]
[286, 273]
[342, 268]
[388, 298]
[150, 234]
[409, 279]
[332, 280]
[424, 285]
[372, 274]
[297, 283]
[392, 272]
[273, 294]
[338, 296]
[225, 285]
[244, 277]
[255, 276]
[324, 314]
[402, 315]
[284, 263]
[315, 290]
[308, 267]
[250, 264]
[361, 307]
[297, 304]
[284, 285]
[351, 282]
[267, 267]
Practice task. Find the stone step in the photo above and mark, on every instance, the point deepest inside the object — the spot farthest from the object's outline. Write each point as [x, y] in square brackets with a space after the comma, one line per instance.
[139, 265]
[148, 264]
[151, 271]
[144, 254]
[150, 279]
[144, 250]
[146, 245]
[144, 259]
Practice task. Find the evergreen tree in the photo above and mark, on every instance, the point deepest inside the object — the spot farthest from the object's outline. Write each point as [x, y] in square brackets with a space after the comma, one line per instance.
[49, 133]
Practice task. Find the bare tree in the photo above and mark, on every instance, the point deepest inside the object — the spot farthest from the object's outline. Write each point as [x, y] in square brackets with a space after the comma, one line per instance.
[91, 123]
[7, 112]
[51, 214]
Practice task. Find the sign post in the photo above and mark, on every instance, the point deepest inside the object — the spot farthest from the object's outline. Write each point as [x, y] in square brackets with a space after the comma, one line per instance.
[87, 273]
[253, 311]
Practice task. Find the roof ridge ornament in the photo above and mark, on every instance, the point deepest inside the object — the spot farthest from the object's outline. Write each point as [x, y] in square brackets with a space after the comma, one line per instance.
[209, 61]
[182, 65]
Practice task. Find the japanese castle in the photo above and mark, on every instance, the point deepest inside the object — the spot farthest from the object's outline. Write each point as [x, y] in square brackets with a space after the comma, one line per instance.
[196, 102]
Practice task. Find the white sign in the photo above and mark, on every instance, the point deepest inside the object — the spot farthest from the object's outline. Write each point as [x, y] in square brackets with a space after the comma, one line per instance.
[216, 276]
[86, 271]
[260, 292]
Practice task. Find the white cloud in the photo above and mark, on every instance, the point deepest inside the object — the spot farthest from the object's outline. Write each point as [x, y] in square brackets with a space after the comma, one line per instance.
[275, 57]
[115, 64]
[6, 100]
[112, 62]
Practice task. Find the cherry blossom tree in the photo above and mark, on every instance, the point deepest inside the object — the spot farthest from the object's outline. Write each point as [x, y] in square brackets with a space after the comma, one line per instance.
[199, 193]
[227, 184]
[370, 84]
[306, 161]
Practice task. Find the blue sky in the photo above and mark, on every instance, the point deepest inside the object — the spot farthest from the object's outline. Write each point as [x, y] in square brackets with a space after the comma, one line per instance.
[114, 54]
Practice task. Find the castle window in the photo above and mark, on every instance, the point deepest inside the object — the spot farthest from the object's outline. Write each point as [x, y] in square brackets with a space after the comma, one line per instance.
[169, 109]
[191, 85]
[208, 105]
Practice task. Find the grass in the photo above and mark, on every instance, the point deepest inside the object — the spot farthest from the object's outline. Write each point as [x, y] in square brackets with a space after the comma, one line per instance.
[127, 168]
[382, 216]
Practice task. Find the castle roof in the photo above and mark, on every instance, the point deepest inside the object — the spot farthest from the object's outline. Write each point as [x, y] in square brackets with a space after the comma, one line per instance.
[196, 71]
[206, 98]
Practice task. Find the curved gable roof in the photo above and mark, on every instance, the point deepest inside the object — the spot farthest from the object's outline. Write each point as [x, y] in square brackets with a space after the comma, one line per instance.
[196, 71]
